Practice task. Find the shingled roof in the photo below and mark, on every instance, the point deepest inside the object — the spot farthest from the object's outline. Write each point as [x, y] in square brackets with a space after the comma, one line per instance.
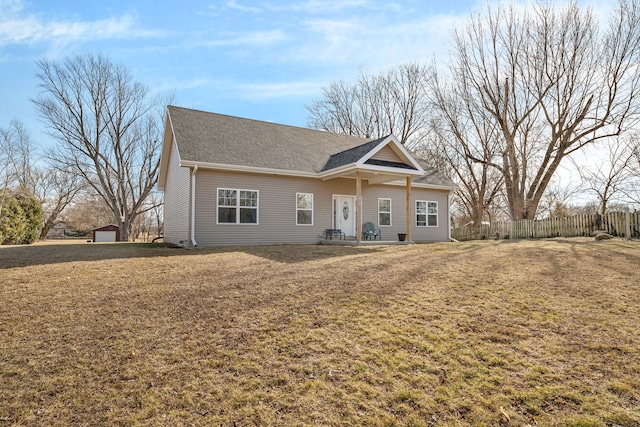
[433, 176]
[350, 155]
[218, 139]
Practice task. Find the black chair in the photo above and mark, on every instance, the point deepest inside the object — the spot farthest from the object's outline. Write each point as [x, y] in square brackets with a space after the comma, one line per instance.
[329, 233]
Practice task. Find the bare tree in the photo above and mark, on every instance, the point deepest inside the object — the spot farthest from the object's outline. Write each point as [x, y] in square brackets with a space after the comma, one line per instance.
[460, 132]
[551, 82]
[6, 170]
[633, 191]
[157, 213]
[375, 106]
[20, 155]
[555, 201]
[56, 189]
[88, 210]
[398, 101]
[107, 127]
[17, 160]
[611, 179]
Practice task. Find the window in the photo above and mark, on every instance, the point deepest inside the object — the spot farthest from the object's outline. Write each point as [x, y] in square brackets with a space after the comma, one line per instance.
[384, 212]
[237, 206]
[304, 208]
[426, 214]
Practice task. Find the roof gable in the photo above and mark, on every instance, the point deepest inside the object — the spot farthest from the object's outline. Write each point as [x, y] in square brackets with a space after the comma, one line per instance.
[384, 152]
[352, 155]
[399, 157]
[387, 154]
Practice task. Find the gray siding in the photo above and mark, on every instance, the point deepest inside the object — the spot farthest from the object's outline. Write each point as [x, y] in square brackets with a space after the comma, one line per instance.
[398, 197]
[387, 154]
[431, 234]
[277, 209]
[176, 200]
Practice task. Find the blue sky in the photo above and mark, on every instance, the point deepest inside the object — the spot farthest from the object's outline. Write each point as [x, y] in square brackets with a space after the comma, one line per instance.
[264, 60]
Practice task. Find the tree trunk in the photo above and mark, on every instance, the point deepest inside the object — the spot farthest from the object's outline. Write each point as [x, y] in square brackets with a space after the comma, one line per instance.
[49, 223]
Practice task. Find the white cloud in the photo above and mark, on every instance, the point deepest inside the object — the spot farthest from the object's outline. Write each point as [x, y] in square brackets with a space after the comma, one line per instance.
[163, 85]
[233, 4]
[229, 88]
[10, 7]
[322, 6]
[18, 27]
[277, 90]
[325, 6]
[258, 38]
[365, 43]
[339, 33]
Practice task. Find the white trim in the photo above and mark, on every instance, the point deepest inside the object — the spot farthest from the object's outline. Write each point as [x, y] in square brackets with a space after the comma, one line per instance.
[449, 216]
[299, 209]
[381, 179]
[354, 167]
[336, 172]
[426, 214]
[237, 206]
[248, 169]
[326, 175]
[354, 199]
[193, 205]
[437, 214]
[390, 211]
[165, 151]
[423, 185]
[397, 148]
[391, 170]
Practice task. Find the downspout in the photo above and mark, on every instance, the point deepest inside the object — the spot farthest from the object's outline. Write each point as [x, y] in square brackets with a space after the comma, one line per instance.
[193, 205]
[358, 207]
[451, 239]
[408, 209]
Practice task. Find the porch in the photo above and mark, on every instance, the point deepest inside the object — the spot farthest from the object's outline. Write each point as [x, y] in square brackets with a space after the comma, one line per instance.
[352, 241]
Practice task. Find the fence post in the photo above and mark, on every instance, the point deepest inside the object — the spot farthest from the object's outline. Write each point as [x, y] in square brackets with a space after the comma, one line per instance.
[627, 231]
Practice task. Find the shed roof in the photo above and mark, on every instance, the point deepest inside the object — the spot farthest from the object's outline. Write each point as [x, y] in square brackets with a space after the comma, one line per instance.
[108, 227]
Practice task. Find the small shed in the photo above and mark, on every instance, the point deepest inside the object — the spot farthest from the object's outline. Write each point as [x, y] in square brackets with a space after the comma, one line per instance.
[106, 233]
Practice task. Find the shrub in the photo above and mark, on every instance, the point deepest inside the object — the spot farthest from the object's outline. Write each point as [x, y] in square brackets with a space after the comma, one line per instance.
[33, 216]
[21, 219]
[12, 221]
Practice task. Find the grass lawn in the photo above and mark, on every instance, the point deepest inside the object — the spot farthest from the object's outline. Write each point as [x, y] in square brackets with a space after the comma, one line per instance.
[514, 333]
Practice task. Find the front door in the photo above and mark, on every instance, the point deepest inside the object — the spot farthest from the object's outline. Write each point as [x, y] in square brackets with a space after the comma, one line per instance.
[344, 214]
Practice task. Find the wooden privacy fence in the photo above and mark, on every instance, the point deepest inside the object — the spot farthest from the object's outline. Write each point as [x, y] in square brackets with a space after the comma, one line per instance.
[620, 224]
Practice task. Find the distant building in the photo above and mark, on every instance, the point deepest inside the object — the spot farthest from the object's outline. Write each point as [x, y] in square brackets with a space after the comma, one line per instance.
[58, 231]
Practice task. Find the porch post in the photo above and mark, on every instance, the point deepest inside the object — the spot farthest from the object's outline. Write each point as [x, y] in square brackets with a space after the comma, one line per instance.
[358, 207]
[409, 219]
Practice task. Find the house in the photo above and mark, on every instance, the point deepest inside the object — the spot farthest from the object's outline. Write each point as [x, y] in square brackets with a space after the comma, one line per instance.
[58, 231]
[235, 181]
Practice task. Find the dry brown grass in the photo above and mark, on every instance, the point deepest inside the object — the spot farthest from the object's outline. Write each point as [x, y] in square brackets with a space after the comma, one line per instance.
[482, 333]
